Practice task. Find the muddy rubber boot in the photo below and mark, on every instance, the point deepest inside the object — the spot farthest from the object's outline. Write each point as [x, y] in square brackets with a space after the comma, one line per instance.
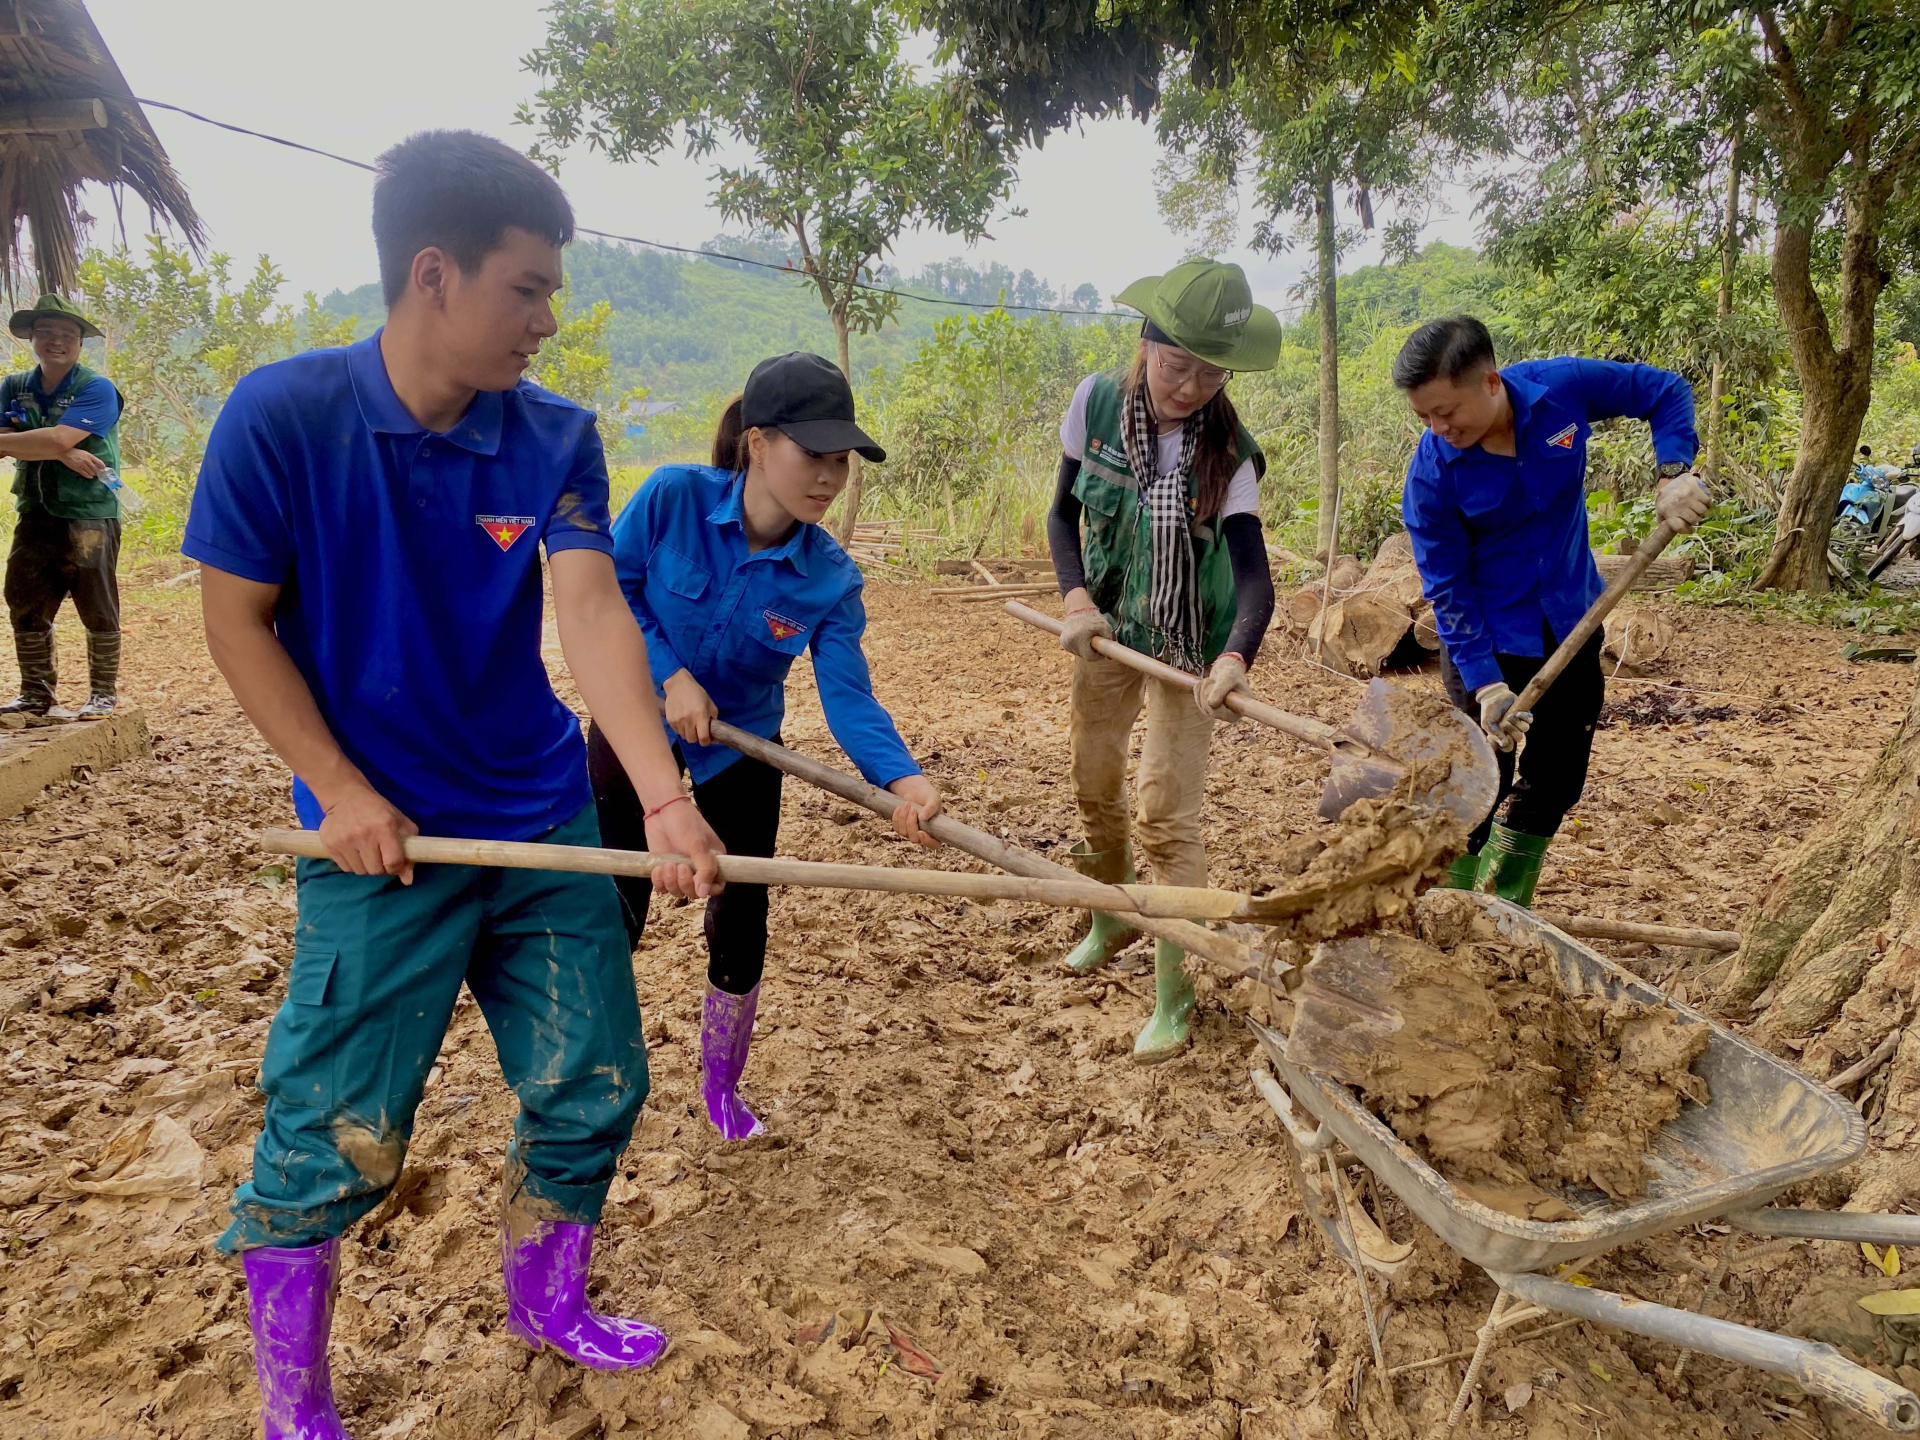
[1167, 1033]
[37, 676]
[1510, 864]
[1107, 935]
[103, 675]
[546, 1278]
[1462, 874]
[290, 1305]
[726, 1034]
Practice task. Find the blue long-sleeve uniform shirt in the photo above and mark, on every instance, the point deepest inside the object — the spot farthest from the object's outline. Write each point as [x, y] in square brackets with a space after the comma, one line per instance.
[736, 621]
[1501, 541]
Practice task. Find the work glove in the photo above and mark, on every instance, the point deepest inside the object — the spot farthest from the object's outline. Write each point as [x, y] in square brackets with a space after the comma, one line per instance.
[1682, 502]
[1504, 725]
[1081, 628]
[1229, 673]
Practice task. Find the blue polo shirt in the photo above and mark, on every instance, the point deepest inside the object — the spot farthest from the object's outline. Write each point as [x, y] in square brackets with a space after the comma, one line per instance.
[736, 621]
[94, 407]
[1501, 541]
[409, 570]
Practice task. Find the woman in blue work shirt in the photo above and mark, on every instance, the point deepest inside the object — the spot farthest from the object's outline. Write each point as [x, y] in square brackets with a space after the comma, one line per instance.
[731, 577]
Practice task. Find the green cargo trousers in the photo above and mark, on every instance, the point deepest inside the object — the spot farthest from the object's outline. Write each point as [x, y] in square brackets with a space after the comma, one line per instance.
[377, 966]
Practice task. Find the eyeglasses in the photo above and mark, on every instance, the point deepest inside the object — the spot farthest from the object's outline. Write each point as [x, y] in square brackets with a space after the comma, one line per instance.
[1181, 373]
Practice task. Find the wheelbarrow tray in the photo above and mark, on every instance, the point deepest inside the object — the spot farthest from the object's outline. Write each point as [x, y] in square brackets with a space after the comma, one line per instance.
[1766, 1128]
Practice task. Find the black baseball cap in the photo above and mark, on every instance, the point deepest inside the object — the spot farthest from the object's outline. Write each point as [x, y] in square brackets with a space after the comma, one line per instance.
[806, 398]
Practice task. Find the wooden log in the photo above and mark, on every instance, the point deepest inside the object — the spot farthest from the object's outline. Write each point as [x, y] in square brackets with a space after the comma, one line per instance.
[1663, 574]
[1163, 901]
[1591, 928]
[1023, 565]
[53, 117]
[995, 592]
[1222, 951]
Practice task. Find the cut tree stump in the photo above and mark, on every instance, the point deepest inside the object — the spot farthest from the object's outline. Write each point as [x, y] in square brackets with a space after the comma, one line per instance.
[43, 755]
[1663, 574]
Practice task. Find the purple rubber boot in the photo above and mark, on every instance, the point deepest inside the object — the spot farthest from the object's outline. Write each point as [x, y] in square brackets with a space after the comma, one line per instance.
[546, 1275]
[290, 1301]
[726, 1033]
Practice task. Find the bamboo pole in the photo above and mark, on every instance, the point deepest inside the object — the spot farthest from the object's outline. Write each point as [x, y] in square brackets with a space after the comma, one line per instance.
[1222, 951]
[1593, 928]
[1160, 901]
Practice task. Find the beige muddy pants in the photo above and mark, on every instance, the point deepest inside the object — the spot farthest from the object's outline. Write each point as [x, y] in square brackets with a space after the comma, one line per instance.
[1172, 781]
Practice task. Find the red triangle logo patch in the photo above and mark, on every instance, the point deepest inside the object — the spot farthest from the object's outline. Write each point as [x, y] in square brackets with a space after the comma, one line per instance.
[503, 530]
[1565, 438]
[780, 627]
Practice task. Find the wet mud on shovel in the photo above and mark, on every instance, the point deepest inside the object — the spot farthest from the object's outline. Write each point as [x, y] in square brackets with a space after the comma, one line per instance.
[1397, 741]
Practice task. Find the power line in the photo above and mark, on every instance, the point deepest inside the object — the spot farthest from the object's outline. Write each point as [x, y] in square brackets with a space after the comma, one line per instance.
[661, 244]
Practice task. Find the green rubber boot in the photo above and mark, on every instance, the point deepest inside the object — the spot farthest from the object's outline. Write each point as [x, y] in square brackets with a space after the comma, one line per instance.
[1108, 935]
[1167, 1033]
[1462, 874]
[1510, 864]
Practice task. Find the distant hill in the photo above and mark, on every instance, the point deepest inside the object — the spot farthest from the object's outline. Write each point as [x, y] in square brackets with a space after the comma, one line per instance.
[687, 327]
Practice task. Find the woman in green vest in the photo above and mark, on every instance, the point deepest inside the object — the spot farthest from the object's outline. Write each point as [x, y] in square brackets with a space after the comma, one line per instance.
[1173, 564]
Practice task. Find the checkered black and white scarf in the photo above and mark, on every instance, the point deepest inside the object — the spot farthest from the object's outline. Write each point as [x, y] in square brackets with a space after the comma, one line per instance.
[1173, 595]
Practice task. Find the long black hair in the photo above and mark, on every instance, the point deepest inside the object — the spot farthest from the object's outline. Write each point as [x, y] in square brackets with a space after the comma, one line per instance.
[1216, 451]
[730, 437]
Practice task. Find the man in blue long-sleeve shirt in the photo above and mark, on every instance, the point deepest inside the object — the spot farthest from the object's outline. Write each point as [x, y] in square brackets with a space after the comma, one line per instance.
[1495, 504]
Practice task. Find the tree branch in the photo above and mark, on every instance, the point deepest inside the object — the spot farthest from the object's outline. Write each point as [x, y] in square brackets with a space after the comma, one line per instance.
[1782, 63]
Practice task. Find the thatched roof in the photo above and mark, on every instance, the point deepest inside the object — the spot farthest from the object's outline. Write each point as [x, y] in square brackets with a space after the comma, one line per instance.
[66, 117]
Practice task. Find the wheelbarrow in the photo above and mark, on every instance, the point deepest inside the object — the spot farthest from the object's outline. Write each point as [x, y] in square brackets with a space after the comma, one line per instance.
[1766, 1128]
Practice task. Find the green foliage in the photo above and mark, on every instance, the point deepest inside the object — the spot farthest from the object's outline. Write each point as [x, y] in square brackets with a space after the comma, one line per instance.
[574, 362]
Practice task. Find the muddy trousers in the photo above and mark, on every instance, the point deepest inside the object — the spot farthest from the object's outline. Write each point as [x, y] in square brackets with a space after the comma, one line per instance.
[1172, 781]
[377, 966]
[1551, 770]
[51, 560]
[742, 804]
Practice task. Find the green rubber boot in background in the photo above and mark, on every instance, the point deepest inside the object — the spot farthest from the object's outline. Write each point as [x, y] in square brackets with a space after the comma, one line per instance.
[1167, 1033]
[1108, 934]
[1510, 864]
[1462, 874]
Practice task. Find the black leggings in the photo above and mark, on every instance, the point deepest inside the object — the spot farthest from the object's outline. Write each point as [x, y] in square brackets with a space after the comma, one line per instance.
[742, 804]
[1553, 762]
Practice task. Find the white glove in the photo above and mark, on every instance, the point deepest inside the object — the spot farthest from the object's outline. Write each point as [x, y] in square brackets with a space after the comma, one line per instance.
[1229, 673]
[1504, 725]
[1081, 628]
[1682, 502]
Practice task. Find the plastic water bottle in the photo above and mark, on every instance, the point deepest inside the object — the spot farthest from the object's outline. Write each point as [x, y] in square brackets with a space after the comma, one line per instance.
[130, 500]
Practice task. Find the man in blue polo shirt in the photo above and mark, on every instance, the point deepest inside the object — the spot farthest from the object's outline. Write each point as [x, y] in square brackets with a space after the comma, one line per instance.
[368, 521]
[1495, 504]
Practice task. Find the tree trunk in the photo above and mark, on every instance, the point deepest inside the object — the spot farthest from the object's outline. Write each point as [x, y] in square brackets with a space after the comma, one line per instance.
[1835, 381]
[1329, 369]
[850, 501]
[1833, 952]
[1729, 258]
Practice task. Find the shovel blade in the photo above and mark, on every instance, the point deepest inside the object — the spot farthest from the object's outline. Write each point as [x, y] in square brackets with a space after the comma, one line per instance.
[1384, 721]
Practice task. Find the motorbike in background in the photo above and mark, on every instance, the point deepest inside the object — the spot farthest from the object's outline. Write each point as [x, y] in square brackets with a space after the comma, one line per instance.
[1901, 535]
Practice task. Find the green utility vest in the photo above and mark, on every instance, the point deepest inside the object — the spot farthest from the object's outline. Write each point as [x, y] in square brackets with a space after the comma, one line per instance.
[47, 484]
[1119, 539]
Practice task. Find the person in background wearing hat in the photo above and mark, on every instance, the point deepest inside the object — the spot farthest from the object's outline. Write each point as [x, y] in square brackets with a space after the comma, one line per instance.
[731, 576]
[1495, 505]
[1174, 565]
[62, 431]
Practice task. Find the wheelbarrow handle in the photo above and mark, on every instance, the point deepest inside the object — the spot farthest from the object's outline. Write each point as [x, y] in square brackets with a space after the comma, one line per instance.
[1817, 1368]
[1870, 1227]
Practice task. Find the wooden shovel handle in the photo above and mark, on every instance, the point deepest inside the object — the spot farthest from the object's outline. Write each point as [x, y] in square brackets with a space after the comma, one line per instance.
[1166, 901]
[1313, 732]
[1648, 552]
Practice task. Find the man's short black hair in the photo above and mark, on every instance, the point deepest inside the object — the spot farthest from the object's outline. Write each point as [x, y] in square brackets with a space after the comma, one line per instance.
[1449, 347]
[458, 190]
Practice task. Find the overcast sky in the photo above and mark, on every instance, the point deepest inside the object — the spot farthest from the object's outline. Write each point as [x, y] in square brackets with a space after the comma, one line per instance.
[352, 76]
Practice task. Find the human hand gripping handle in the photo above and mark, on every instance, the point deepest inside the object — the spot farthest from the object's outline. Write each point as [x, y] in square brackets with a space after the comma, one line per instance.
[675, 827]
[919, 803]
[689, 710]
[1682, 501]
[1504, 725]
[1229, 674]
[1083, 625]
[366, 835]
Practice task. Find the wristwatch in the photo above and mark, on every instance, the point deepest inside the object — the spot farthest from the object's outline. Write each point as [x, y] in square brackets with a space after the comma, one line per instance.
[1671, 468]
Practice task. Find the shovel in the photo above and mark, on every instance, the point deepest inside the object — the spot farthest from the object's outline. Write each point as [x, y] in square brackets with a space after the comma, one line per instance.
[1370, 755]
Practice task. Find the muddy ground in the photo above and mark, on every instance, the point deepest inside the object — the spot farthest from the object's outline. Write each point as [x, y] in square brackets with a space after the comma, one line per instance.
[962, 1171]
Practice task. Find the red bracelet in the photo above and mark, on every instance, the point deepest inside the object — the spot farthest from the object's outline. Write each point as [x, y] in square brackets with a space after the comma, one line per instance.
[647, 815]
[1082, 609]
[1236, 655]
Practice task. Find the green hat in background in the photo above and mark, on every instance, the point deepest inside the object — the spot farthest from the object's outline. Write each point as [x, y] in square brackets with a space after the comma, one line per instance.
[51, 307]
[1206, 308]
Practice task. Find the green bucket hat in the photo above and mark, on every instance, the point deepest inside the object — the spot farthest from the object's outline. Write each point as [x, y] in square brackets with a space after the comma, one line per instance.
[51, 307]
[1206, 308]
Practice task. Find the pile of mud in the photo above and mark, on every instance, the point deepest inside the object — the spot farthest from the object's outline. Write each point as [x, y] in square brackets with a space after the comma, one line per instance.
[1502, 1081]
